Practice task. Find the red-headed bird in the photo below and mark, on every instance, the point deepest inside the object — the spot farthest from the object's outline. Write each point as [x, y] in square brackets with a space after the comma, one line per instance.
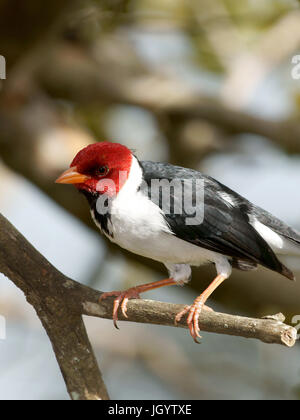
[130, 210]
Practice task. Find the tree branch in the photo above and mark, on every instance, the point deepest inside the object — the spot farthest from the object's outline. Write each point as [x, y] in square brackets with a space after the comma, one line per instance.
[46, 289]
[60, 303]
[271, 330]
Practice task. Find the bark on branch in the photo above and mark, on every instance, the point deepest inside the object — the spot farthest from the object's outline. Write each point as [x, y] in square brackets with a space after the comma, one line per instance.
[270, 330]
[60, 303]
[46, 289]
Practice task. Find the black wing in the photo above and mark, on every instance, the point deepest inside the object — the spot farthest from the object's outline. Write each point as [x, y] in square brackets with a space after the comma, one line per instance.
[225, 227]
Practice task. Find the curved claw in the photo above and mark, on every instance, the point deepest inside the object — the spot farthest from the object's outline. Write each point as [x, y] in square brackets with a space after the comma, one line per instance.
[124, 307]
[121, 299]
[115, 312]
[192, 321]
[133, 293]
[193, 312]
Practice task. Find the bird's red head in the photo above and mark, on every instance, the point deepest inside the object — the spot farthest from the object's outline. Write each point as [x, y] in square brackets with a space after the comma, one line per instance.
[99, 168]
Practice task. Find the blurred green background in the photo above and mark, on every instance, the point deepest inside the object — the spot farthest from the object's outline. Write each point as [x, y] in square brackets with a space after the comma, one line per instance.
[207, 84]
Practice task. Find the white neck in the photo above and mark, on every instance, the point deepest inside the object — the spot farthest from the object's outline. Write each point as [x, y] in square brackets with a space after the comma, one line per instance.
[134, 179]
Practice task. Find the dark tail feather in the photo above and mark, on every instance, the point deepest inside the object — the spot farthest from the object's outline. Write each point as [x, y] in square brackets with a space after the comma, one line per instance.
[287, 273]
[270, 260]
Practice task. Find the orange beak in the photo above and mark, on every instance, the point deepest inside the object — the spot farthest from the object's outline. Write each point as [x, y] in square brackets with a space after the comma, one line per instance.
[71, 176]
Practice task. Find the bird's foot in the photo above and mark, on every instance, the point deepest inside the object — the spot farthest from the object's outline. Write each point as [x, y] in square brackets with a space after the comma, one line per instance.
[132, 293]
[193, 312]
[121, 301]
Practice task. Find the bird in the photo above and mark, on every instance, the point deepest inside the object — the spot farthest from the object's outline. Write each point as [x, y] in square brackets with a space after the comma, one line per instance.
[179, 217]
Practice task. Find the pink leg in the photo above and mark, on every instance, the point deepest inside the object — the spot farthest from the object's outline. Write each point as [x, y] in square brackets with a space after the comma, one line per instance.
[132, 293]
[195, 309]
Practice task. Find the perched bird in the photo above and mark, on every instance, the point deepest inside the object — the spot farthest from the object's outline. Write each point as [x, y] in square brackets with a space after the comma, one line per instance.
[226, 229]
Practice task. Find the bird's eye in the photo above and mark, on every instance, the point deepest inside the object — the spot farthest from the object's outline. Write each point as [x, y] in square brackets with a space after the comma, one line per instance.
[102, 171]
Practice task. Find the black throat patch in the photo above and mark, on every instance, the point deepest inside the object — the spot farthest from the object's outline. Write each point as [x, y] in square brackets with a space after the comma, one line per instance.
[101, 219]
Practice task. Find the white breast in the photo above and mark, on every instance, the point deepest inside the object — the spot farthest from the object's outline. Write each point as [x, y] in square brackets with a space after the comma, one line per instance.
[136, 221]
